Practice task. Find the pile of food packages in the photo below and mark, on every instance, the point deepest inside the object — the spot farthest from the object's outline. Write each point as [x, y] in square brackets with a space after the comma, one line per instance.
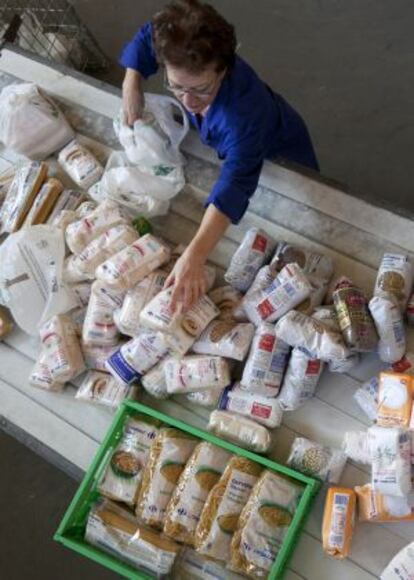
[251, 349]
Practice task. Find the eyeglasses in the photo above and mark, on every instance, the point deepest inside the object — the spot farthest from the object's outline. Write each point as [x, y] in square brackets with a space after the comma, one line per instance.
[180, 91]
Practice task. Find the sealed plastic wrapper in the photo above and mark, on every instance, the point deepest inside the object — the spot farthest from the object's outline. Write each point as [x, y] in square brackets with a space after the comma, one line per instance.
[338, 521]
[6, 323]
[207, 398]
[68, 200]
[266, 363]
[373, 506]
[316, 460]
[354, 319]
[264, 410]
[254, 251]
[63, 219]
[80, 164]
[263, 524]
[102, 389]
[62, 349]
[99, 327]
[96, 355]
[71, 274]
[87, 207]
[154, 381]
[220, 514]
[133, 263]
[115, 531]
[168, 456]
[263, 279]
[196, 373]
[82, 292]
[227, 299]
[41, 376]
[311, 263]
[401, 566]
[202, 472]
[240, 430]
[137, 356]
[388, 319]
[395, 275]
[225, 338]
[193, 566]
[301, 378]
[122, 476]
[390, 450]
[43, 202]
[355, 445]
[288, 290]
[395, 400]
[315, 298]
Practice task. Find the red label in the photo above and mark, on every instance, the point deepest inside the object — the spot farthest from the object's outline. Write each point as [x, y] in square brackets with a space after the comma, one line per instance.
[259, 410]
[355, 300]
[313, 367]
[267, 342]
[401, 365]
[259, 243]
[265, 309]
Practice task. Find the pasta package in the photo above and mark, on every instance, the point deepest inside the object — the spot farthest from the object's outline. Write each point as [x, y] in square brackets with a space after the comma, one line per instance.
[373, 506]
[190, 565]
[202, 472]
[227, 299]
[196, 373]
[102, 389]
[221, 512]
[99, 327]
[240, 430]
[168, 456]
[43, 203]
[154, 381]
[254, 250]
[354, 319]
[395, 275]
[80, 164]
[389, 323]
[301, 378]
[395, 400]
[263, 524]
[41, 376]
[313, 264]
[264, 410]
[225, 338]
[338, 521]
[115, 531]
[122, 476]
[266, 363]
[316, 460]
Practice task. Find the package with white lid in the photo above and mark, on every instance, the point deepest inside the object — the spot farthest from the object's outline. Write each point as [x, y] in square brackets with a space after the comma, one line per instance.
[196, 373]
[102, 389]
[264, 410]
[99, 327]
[240, 430]
[41, 376]
[301, 378]
[227, 299]
[401, 566]
[395, 275]
[154, 381]
[316, 460]
[312, 263]
[388, 319]
[254, 250]
[80, 164]
[134, 263]
[266, 363]
[226, 338]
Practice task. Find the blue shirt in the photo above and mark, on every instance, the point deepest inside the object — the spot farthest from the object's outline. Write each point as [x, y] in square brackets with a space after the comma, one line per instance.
[246, 124]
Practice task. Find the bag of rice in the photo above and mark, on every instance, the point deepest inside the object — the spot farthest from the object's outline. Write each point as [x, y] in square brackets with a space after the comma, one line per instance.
[225, 338]
[154, 381]
[207, 398]
[102, 389]
[240, 430]
[99, 327]
[388, 319]
[338, 521]
[41, 376]
[301, 378]
[264, 410]
[316, 460]
[95, 355]
[355, 445]
[196, 373]
[263, 279]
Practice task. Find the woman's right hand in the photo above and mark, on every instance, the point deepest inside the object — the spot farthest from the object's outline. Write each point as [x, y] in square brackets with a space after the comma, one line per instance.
[133, 102]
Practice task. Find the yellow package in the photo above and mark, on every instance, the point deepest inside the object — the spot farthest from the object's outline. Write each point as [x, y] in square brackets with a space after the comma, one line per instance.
[395, 400]
[338, 521]
[263, 524]
[220, 515]
[373, 506]
[167, 458]
[201, 473]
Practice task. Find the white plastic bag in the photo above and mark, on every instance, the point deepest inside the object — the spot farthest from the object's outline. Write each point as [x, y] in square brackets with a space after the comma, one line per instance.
[30, 123]
[385, 310]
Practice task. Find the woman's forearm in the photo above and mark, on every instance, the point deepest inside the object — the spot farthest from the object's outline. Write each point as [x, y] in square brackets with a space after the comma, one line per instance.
[211, 230]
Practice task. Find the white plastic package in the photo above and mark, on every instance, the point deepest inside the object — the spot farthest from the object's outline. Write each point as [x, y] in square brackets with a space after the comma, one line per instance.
[68, 200]
[154, 381]
[196, 373]
[41, 376]
[388, 319]
[395, 275]
[71, 274]
[82, 291]
[80, 164]
[227, 299]
[96, 355]
[86, 208]
[401, 566]
[225, 338]
[316, 265]
[301, 378]
[263, 279]
[316, 460]
[240, 430]
[355, 445]
[264, 410]
[254, 250]
[102, 389]
[99, 327]
[207, 398]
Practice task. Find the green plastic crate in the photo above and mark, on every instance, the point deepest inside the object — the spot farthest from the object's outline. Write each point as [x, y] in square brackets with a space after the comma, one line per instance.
[72, 527]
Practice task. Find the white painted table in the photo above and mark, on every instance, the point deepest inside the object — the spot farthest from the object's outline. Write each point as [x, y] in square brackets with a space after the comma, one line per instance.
[289, 206]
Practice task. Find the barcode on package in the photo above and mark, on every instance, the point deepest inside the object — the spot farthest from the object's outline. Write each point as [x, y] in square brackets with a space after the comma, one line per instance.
[336, 534]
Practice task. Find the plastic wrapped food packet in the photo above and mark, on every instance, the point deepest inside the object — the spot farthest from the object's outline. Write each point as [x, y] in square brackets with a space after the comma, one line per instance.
[68, 200]
[409, 311]
[338, 521]
[65, 217]
[43, 202]
[390, 450]
[354, 319]
[385, 311]
[240, 430]
[99, 327]
[80, 164]
[263, 524]
[395, 400]
[96, 355]
[6, 323]
[301, 378]
[86, 208]
[311, 263]
[115, 531]
[168, 456]
[300, 330]
[41, 377]
[220, 514]
[196, 373]
[316, 460]
[395, 275]
[102, 389]
[227, 299]
[71, 275]
[103, 247]
[254, 250]
[154, 381]
[225, 338]
[316, 296]
[401, 566]
[336, 284]
[82, 291]
[202, 472]
[373, 506]
[355, 445]
[263, 279]
[133, 263]
[288, 290]
[136, 298]
[122, 476]
[266, 363]
[207, 398]
[81, 233]
[6, 178]
[193, 566]
[264, 410]
[77, 315]
[61, 347]
[137, 356]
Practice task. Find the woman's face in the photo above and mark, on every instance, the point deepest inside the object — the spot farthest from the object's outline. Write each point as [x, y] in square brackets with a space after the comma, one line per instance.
[195, 91]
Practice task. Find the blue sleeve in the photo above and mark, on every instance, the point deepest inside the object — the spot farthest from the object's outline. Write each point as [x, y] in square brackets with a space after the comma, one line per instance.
[139, 54]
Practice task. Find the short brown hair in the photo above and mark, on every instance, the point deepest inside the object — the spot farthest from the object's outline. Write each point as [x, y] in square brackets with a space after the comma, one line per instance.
[192, 35]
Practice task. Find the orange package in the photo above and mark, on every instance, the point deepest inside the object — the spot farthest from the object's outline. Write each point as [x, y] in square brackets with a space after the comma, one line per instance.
[338, 521]
[395, 399]
[373, 506]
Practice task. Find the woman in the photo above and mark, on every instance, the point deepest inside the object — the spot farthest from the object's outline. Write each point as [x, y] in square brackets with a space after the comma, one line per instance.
[232, 109]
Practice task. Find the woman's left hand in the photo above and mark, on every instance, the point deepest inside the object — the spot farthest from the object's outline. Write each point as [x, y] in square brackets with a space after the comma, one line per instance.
[188, 279]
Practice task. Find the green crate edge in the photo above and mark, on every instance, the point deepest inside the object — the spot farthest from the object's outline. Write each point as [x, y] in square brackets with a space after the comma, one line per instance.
[129, 407]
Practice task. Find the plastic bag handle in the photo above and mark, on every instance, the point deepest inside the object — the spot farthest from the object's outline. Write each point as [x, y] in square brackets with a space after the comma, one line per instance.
[162, 106]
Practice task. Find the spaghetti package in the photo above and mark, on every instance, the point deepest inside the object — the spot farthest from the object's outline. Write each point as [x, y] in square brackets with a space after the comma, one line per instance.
[220, 514]
[338, 521]
[227, 299]
[301, 378]
[395, 275]
[263, 524]
[373, 506]
[264, 410]
[388, 319]
[168, 456]
[395, 400]
[201, 473]
[102, 389]
[240, 430]
[99, 327]
[354, 319]
[122, 476]
[196, 373]
[80, 164]
[41, 376]
[316, 460]
[225, 338]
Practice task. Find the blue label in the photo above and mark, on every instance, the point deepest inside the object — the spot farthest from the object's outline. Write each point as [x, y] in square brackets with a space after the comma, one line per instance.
[224, 399]
[125, 372]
